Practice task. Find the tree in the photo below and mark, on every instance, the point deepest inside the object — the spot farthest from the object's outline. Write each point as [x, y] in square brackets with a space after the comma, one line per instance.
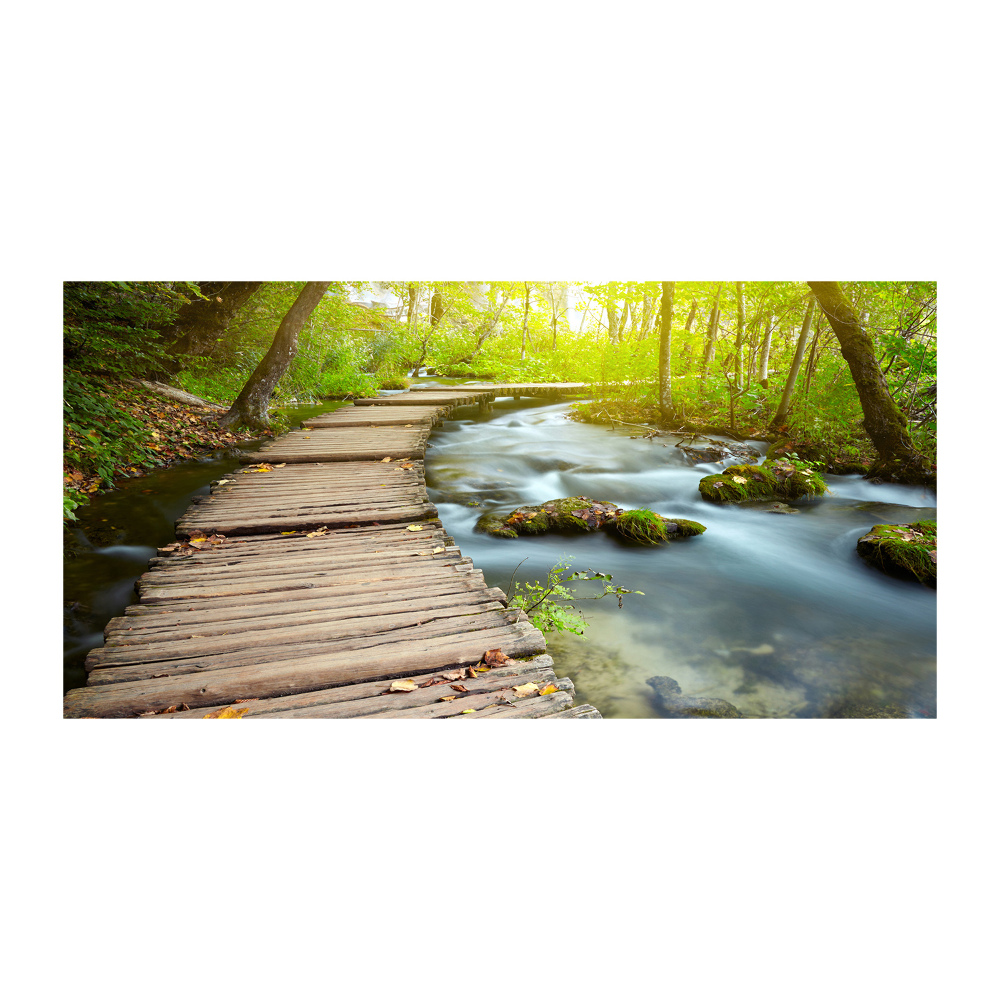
[250, 408]
[883, 419]
[524, 326]
[666, 319]
[202, 322]
[800, 349]
[741, 321]
[713, 332]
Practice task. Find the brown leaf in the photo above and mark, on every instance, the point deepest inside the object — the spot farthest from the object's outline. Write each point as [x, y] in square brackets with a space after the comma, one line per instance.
[495, 658]
[448, 697]
[452, 675]
[461, 688]
[523, 690]
[227, 712]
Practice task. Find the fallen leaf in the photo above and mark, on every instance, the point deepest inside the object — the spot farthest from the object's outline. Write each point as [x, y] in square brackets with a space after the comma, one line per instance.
[460, 688]
[522, 690]
[227, 712]
[933, 556]
[414, 527]
[387, 459]
[440, 548]
[407, 425]
[468, 711]
[404, 685]
[448, 697]
[283, 464]
[495, 658]
[548, 689]
[739, 479]
[319, 531]
[289, 532]
[222, 482]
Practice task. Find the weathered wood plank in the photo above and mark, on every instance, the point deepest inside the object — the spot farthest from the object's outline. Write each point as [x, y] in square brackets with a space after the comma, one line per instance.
[485, 629]
[222, 687]
[516, 671]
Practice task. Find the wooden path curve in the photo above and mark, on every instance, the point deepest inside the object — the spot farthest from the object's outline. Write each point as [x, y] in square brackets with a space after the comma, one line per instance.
[317, 582]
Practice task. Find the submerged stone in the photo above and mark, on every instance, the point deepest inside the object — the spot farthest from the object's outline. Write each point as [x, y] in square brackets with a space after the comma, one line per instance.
[904, 550]
[774, 479]
[676, 705]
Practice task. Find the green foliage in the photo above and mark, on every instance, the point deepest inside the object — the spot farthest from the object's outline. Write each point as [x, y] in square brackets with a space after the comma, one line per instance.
[550, 605]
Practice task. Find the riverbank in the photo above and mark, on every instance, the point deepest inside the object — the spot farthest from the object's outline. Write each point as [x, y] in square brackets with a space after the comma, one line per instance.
[161, 432]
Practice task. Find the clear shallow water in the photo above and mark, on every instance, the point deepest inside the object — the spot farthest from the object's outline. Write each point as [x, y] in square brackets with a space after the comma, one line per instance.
[774, 613]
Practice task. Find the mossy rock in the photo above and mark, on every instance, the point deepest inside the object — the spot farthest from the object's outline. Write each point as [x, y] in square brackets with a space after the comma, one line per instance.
[774, 479]
[676, 705]
[492, 524]
[852, 708]
[904, 550]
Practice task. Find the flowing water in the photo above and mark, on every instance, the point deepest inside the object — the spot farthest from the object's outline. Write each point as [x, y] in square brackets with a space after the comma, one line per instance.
[774, 613]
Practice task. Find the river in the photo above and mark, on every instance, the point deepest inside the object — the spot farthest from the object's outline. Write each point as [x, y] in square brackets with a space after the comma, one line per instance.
[774, 613]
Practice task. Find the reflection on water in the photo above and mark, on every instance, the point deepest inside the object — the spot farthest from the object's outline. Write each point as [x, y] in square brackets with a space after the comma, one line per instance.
[774, 613]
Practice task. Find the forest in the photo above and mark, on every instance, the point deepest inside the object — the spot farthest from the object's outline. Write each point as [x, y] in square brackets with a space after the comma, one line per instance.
[843, 375]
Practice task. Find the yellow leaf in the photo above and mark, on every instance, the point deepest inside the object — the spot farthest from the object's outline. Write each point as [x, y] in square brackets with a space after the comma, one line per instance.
[283, 464]
[386, 459]
[739, 479]
[525, 689]
[468, 711]
[448, 697]
[222, 482]
[440, 548]
[229, 712]
[414, 527]
[319, 531]
[404, 685]
[289, 532]
[548, 689]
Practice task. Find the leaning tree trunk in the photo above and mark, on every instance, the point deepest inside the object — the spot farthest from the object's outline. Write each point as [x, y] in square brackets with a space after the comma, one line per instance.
[412, 304]
[666, 319]
[883, 419]
[800, 350]
[202, 323]
[437, 307]
[250, 408]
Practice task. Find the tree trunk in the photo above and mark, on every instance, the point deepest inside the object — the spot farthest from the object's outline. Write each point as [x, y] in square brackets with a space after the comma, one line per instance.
[713, 330]
[647, 315]
[666, 319]
[202, 323]
[613, 312]
[524, 325]
[741, 322]
[765, 351]
[800, 351]
[412, 304]
[437, 307]
[250, 408]
[883, 419]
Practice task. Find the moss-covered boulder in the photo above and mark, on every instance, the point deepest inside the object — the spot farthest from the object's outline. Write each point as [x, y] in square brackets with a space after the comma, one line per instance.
[905, 550]
[673, 703]
[573, 515]
[774, 479]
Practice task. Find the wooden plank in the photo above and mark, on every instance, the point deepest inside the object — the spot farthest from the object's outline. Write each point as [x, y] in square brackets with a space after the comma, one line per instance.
[222, 687]
[486, 629]
[579, 712]
[401, 705]
[229, 523]
[350, 693]
[486, 705]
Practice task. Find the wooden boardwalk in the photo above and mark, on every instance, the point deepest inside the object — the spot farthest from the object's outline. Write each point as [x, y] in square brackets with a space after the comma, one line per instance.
[317, 582]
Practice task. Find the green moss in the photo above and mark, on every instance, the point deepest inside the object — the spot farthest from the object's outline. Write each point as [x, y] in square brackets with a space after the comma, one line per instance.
[904, 550]
[642, 525]
[774, 479]
[492, 524]
[685, 529]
